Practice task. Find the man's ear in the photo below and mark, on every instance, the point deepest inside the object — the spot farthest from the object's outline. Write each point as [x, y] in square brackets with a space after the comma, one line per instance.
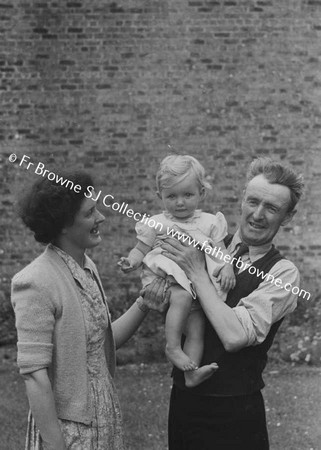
[242, 201]
[288, 217]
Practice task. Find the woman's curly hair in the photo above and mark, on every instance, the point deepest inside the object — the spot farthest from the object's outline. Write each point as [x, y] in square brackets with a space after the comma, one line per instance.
[49, 206]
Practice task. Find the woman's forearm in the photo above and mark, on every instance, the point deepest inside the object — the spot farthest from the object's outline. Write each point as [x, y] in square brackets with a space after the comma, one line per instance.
[221, 316]
[155, 298]
[42, 405]
[126, 325]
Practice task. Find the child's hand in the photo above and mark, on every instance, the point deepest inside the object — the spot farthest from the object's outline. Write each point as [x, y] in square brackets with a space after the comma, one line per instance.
[227, 277]
[125, 265]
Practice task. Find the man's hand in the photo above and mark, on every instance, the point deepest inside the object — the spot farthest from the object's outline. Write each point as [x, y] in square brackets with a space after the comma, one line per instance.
[227, 277]
[156, 295]
[190, 259]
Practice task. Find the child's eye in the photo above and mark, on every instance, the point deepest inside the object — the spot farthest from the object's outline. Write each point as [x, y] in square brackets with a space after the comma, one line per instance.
[171, 196]
[188, 194]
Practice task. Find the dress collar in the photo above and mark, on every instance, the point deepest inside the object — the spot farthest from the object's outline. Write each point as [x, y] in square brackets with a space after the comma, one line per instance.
[196, 215]
[77, 272]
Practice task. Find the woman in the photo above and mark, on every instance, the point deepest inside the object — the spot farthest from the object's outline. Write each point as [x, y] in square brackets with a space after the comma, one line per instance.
[66, 342]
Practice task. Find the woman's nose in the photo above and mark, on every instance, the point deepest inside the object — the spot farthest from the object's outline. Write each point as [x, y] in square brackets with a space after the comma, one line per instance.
[99, 217]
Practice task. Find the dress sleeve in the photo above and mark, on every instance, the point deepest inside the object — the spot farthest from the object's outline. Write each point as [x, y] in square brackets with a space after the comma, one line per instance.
[145, 233]
[218, 228]
[35, 320]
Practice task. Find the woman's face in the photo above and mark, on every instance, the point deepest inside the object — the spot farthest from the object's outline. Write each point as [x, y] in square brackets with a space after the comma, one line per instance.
[84, 232]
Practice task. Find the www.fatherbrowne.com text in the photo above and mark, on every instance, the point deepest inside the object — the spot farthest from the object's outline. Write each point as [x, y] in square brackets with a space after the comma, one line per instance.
[123, 208]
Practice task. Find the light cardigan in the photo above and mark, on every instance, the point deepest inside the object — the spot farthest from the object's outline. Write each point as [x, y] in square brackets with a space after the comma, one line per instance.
[52, 334]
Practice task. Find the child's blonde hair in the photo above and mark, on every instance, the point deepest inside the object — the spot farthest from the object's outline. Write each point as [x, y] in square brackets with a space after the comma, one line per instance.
[175, 168]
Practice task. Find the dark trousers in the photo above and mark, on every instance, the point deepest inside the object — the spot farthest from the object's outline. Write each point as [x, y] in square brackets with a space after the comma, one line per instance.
[216, 423]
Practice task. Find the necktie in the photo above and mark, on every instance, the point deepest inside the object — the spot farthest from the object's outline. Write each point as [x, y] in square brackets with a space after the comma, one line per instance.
[243, 248]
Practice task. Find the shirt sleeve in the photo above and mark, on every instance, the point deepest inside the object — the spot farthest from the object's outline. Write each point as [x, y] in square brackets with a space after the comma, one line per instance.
[218, 228]
[145, 233]
[271, 301]
[35, 320]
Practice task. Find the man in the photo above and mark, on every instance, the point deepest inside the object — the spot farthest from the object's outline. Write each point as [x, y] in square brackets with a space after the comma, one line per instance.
[226, 411]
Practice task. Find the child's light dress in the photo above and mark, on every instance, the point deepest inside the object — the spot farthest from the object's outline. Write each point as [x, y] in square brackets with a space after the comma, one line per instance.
[206, 230]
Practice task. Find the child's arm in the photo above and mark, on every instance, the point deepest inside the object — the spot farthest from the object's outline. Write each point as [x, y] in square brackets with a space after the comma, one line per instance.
[226, 276]
[134, 258]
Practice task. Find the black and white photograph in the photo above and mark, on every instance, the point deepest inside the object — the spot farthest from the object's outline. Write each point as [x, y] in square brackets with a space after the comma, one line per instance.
[160, 220]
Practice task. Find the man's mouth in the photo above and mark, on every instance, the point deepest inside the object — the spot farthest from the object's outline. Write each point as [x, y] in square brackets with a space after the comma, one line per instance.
[256, 226]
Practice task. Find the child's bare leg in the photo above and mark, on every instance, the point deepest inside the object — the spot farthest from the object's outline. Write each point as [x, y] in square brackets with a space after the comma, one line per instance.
[178, 311]
[194, 332]
[193, 347]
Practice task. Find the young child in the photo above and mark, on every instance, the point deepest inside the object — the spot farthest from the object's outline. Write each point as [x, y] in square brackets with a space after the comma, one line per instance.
[181, 185]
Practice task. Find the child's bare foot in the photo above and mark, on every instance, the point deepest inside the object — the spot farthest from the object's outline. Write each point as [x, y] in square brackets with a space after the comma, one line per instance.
[196, 377]
[180, 360]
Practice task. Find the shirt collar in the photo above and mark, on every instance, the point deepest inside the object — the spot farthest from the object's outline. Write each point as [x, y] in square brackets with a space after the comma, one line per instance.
[255, 251]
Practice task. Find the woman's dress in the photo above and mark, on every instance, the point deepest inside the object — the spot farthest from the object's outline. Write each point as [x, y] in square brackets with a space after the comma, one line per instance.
[105, 432]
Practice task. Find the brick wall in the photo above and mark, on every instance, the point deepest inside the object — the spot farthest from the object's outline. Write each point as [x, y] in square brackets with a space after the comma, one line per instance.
[114, 86]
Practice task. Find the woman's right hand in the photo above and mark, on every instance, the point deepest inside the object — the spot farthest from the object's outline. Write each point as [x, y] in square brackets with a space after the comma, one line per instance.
[42, 405]
[156, 295]
[55, 445]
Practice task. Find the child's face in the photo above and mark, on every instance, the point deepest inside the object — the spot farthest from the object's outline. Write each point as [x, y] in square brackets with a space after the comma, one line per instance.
[183, 198]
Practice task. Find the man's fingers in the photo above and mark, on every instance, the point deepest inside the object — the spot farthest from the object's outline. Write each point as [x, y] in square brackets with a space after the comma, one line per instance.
[172, 243]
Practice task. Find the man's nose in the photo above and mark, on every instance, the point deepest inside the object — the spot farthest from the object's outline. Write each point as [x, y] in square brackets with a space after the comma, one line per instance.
[258, 213]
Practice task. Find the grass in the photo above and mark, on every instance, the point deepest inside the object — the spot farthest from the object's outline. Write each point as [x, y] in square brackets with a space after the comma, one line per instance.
[293, 399]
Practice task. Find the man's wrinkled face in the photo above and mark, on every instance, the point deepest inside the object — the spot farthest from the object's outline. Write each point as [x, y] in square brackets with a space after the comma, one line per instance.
[264, 210]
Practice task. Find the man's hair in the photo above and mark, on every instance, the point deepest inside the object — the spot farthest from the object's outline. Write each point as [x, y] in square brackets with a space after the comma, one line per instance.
[277, 173]
[47, 206]
[175, 168]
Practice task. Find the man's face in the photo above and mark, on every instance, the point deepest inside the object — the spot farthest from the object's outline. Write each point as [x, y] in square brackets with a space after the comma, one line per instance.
[264, 210]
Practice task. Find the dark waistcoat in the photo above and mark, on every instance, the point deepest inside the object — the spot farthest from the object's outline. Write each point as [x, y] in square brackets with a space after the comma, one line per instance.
[239, 372]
